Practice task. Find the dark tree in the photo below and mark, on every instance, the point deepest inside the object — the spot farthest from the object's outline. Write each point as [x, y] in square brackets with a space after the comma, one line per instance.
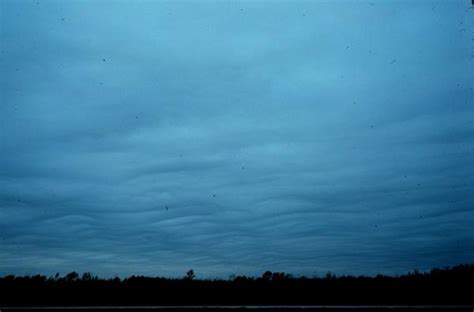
[87, 276]
[190, 275]
[71, 277]
[447, 286]
[267, 275]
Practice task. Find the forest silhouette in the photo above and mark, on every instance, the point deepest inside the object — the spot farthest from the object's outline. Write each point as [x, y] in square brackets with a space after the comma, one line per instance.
[445, 286]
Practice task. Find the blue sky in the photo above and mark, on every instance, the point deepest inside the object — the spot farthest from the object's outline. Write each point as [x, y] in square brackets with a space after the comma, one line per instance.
[234, 137]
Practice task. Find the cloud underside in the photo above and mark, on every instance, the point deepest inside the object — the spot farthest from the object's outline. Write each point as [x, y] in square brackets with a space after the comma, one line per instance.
[234, 138]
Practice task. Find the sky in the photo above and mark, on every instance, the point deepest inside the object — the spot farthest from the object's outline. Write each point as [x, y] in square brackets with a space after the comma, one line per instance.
[235, 137]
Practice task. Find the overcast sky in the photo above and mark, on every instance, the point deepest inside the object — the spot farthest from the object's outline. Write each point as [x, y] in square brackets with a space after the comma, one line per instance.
[148, 137]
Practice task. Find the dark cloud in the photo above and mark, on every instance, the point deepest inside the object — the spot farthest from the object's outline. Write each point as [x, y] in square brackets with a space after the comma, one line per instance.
[233, 138]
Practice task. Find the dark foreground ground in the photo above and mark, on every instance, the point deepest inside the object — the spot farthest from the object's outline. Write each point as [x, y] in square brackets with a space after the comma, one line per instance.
[449, 289]
[248, 309]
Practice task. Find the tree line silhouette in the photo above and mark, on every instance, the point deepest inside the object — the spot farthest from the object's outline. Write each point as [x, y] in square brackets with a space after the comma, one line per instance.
[446, 286]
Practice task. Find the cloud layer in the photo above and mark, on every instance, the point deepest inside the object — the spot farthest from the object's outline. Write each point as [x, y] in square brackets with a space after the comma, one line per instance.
[236, 137]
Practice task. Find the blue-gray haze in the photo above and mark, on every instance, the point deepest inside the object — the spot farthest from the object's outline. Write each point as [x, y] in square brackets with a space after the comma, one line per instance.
[233, 137]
